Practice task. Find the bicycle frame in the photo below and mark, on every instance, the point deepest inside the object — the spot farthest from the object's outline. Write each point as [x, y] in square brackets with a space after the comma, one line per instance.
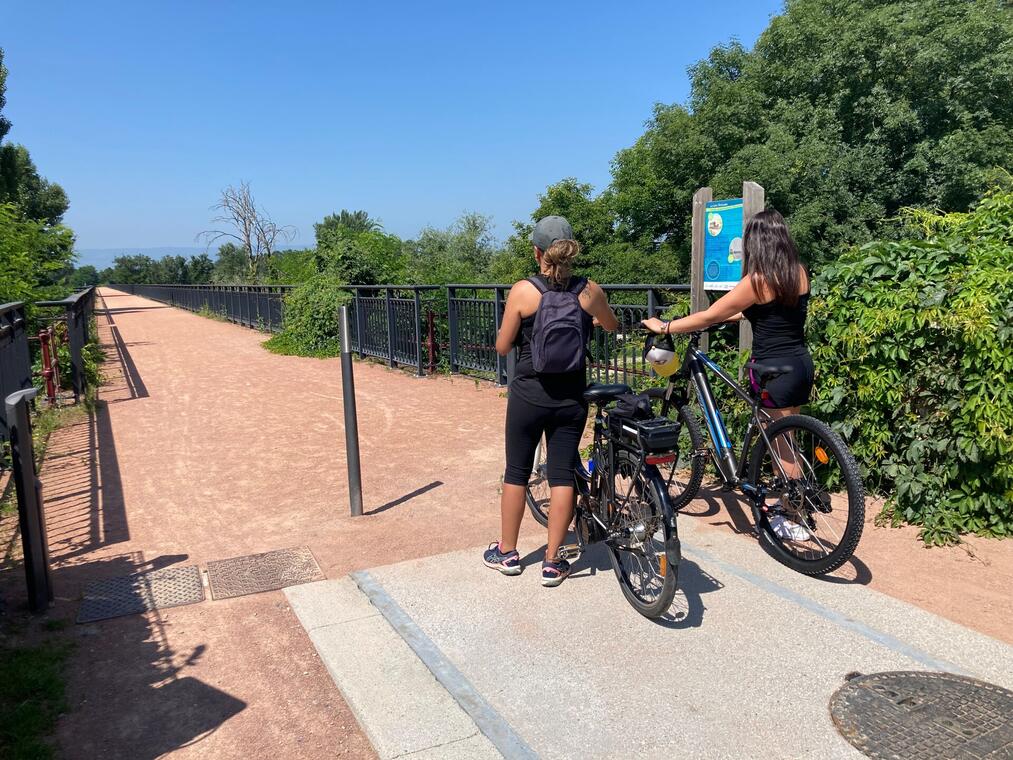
[694, 369]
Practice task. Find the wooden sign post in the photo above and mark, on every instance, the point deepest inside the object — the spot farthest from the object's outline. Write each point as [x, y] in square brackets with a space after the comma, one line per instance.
[752, 203]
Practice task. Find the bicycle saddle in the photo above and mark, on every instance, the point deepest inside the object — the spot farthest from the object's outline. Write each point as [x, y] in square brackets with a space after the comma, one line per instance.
[769, 371]
[602, 394]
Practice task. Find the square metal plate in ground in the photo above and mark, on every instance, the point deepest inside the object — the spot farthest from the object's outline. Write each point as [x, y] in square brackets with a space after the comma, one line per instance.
[262, 572]
[140, 592]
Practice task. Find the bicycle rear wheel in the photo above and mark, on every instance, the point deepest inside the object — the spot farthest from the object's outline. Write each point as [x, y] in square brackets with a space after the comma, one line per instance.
[537, 492]
[817, 520]
[646, 554]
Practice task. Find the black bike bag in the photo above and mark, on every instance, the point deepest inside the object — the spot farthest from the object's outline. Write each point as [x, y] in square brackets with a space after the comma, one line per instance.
[633, 422]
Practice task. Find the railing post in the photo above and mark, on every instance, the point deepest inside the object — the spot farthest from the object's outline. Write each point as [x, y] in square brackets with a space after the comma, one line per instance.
[418, 330]
[501, 362]
[360, 336]
[390, 326]
[652, 303]
[74, 336]
[31, 517]
[431, 320]
[452, 320]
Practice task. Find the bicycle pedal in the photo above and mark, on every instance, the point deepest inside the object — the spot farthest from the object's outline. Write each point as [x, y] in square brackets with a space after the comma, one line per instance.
[568, 551]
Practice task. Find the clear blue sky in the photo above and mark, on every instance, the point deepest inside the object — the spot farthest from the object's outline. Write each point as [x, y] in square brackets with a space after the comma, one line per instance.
[412, 111]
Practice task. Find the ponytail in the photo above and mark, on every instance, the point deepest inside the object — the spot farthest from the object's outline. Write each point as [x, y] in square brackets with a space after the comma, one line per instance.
[558, 260]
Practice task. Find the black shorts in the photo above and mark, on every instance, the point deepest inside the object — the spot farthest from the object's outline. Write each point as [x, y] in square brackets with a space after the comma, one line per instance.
[790, 389]
[525, 424]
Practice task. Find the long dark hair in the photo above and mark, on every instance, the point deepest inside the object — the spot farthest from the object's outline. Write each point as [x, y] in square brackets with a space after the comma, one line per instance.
[770, 257]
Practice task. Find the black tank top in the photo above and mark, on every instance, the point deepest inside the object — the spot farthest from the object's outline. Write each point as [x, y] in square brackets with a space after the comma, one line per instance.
[778, 330]
[550, 390]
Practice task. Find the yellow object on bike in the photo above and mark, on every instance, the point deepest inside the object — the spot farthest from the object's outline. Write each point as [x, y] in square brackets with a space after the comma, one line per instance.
[660, 353]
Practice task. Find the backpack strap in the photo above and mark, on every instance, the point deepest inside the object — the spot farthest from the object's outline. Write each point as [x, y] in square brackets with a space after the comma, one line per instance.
[577, 284]
[537, 282]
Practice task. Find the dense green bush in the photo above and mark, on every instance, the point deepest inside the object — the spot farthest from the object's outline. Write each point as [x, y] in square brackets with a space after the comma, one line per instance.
[311, 318]
[913, 342]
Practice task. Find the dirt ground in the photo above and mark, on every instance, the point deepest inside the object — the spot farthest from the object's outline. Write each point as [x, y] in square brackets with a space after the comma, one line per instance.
[206, 446]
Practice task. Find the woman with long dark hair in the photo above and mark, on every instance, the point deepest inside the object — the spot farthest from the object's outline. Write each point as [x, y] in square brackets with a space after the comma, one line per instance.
[773, 295]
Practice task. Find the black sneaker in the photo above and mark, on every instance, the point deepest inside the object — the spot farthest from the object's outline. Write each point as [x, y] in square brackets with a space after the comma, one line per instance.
[508, 563]
[554, 572]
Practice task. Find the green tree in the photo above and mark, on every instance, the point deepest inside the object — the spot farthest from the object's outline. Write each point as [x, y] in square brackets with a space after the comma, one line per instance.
[463, 252]
[845, 111]
[136, 269]
[362, 257]
[32, 255]
[83, 277]
[201, 269]
[353, 221]
[231, 265]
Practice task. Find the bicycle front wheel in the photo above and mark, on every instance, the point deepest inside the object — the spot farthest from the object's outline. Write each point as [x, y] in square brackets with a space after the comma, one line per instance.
[645, 551]
[815, 499]
[684, 476]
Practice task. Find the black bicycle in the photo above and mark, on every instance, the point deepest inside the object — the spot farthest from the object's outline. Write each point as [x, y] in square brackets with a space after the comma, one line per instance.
[622, 501]
[799, 478]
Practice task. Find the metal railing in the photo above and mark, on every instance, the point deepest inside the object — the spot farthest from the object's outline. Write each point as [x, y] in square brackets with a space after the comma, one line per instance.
[15, 357]
[258, 306]
[391, 322]
[78, 310]
[430, 326]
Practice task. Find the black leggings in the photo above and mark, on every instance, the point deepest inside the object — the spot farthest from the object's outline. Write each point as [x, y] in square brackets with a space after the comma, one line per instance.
[525, 424]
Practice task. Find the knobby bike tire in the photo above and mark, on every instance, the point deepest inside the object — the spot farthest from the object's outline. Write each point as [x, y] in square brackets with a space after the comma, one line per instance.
[853, 483]
[655, 492]
[685, 417]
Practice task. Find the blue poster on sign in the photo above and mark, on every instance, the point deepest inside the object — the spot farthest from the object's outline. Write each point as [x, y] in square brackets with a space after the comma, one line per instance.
[722, 249]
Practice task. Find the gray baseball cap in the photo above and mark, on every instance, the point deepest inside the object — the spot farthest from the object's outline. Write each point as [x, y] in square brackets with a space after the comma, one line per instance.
[549, 229]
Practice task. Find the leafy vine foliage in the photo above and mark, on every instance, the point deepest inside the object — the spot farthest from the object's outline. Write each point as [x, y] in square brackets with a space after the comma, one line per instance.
[913, 342]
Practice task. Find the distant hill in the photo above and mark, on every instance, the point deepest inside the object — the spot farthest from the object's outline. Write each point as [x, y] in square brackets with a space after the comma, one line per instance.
[100, 258]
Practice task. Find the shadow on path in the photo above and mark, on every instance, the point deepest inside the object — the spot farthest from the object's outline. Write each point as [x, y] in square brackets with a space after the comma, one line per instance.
[717, 502]
[123, 376]
[126, 695]
[407, 497]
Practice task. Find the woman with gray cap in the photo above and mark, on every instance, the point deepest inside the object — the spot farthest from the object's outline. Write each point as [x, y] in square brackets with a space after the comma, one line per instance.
[548, 318]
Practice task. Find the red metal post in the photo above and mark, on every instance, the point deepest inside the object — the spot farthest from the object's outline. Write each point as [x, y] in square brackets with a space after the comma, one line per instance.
[47, 366]
[56, 356]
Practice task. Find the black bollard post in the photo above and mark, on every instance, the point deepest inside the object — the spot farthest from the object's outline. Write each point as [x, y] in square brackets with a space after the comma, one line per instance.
[31, 517]
[351, 419]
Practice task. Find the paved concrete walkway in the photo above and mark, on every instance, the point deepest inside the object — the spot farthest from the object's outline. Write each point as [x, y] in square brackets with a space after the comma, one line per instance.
[744, 664]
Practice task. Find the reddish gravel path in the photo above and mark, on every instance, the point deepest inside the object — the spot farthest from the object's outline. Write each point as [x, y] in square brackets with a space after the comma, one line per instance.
[206, 446]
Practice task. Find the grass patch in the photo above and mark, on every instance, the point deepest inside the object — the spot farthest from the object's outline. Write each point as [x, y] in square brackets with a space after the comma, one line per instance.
[31, 698]
[286, 345]
[209, 313]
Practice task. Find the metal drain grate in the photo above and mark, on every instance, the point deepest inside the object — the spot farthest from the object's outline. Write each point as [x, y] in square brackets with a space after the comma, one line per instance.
[262, 572]
[914, 715]
[140, 592]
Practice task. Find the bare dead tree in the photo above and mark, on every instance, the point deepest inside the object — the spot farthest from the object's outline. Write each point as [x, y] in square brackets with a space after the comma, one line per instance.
[251, 227]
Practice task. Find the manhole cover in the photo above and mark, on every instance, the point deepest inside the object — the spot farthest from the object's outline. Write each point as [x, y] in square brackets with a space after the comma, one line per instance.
[262, 572]
[140, 592]
[913, 715]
